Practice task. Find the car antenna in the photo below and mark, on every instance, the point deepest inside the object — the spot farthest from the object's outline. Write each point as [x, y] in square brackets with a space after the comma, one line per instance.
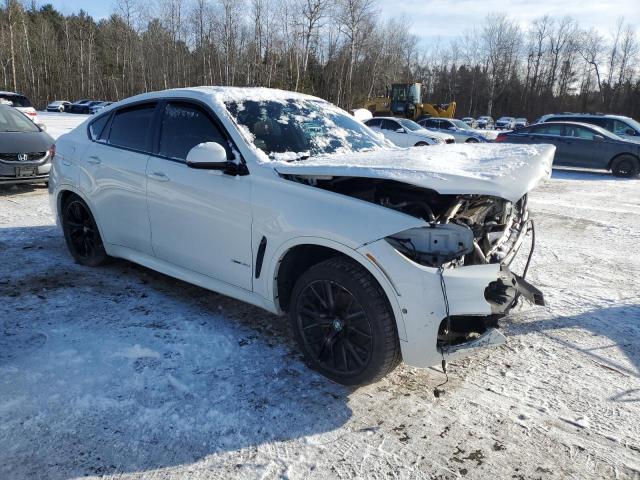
[440, 391]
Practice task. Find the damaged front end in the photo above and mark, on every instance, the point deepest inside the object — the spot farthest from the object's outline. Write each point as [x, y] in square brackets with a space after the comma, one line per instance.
[461, 231]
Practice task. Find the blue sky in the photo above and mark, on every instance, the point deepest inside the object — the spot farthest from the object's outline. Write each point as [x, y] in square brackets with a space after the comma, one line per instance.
[432, 19]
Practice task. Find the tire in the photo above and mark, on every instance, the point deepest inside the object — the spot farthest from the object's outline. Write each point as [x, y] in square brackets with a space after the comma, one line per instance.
[81, 233]
[60, 109]
[625, 166]
[421, 144]
[471, 140]
[343, 323]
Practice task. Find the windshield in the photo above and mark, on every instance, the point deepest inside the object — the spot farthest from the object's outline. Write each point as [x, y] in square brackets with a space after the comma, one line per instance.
[13, 121]
[409, 124]
[301, 127]
[460, 123]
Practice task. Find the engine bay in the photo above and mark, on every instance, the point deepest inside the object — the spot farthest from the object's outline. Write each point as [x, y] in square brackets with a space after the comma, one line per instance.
[462, 229]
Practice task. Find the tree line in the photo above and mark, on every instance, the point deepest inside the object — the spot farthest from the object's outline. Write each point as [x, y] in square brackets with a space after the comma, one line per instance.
[345, 51]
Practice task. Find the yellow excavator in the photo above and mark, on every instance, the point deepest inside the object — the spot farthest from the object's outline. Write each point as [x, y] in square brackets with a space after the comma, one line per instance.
[406, 101]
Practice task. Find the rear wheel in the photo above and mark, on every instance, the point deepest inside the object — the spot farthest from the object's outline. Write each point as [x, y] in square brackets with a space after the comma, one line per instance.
[625, 166]
[81, 233]
[471, 140]
[343, 323]
[421, 144]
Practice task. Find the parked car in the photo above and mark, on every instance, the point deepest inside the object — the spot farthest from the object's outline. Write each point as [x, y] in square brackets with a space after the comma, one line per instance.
[470, 121]
[26, 149]
[506, 123]
[521, 123]
[582, 145]
[58, 106]
[78, 106]
[20, 102]
[99, 106]
[624, 127]
[485, 122]
[293, 205]
[460, 131]
[406, 133]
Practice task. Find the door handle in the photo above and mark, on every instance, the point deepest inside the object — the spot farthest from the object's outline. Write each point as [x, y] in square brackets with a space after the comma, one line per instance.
[159, 176]
[94, 159]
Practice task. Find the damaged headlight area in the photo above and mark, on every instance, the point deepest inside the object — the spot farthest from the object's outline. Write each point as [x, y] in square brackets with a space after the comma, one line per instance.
[434, 245]
[466, 230]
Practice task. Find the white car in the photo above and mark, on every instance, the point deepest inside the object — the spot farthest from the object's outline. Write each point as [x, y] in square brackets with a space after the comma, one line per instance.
[20, 102]
[287, 202]
[407, 133]
[506, 123]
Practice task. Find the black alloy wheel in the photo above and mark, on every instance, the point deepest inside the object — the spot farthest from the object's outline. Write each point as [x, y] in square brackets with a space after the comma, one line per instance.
[335, 328]
[81, 233]
[625, 166]
[343, 322]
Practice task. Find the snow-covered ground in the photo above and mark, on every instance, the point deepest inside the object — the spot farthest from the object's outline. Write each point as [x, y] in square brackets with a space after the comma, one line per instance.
[122, 372]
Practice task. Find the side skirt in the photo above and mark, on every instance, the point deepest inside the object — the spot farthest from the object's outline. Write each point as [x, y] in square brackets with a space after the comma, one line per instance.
[190, 276]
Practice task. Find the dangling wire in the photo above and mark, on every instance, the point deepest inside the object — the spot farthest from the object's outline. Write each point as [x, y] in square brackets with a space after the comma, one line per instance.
[443, 286]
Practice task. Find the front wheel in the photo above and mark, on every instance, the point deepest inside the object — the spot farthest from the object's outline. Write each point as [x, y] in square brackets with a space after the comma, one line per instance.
[625, 166]
[343, 323]
[421, 144]
[81, 233]
[471, 140]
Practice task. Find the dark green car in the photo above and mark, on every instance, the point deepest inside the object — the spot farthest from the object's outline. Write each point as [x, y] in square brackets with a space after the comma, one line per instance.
[582, 145]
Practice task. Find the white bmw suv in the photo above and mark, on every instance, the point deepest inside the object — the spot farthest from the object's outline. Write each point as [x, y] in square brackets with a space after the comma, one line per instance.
[378, 254]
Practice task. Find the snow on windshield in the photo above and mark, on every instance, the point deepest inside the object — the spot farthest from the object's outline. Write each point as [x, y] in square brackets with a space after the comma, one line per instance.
[296, 128]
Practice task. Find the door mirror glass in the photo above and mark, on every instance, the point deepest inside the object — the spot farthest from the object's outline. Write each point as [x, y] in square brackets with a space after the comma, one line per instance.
[631, 132]
[208, 155]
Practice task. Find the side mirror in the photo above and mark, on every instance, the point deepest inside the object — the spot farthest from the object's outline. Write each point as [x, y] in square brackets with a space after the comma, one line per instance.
[400, 130]
[631, 132]
[41, 126]
[208, 155]
[598, 137]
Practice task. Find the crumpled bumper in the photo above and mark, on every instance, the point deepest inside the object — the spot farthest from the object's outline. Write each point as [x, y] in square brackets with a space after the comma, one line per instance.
[479, 292]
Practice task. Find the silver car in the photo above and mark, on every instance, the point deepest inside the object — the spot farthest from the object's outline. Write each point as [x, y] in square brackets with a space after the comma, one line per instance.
[485, 122]
[460, 130]
[26, 149]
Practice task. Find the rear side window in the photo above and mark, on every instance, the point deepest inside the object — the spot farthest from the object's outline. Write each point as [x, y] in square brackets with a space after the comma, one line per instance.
[97, 127]
[390, 125]
[374, 123]
[130, 127]
[548, 129]
[184, 126]
[577, 131]
[430, 123]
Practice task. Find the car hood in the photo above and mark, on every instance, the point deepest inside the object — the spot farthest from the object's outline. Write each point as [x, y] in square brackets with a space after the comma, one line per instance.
[25, 142]
[505, 171]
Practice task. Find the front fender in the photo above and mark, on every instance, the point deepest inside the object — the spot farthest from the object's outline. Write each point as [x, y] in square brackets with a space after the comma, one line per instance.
[380, 276]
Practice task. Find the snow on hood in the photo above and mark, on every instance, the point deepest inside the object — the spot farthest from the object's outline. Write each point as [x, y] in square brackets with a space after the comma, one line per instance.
[506, 171]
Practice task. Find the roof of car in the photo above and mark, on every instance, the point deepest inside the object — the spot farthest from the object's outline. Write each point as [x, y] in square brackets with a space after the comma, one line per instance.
[11, 93]
[594, 115]
[228, 94]
[580, 124]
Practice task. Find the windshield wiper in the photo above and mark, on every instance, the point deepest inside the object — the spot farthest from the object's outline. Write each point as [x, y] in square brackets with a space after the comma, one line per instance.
[289, 156]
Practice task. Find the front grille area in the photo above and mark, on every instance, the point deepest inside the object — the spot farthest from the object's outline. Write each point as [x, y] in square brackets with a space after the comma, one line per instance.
[13, 157]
